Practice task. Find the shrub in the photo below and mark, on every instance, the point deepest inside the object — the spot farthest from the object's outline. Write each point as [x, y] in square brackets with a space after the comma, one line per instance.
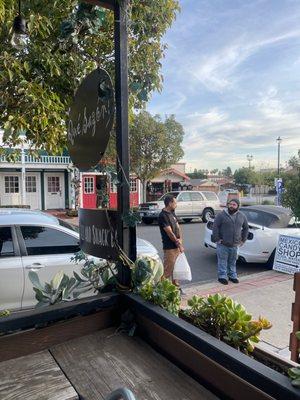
[163, 294]
[226, 320]
[294, 373]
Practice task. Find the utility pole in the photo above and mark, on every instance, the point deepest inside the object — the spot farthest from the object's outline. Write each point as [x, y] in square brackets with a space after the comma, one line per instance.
[249, 158]
[278, 140]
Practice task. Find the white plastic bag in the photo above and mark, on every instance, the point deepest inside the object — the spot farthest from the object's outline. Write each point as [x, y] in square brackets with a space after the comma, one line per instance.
[182, 270]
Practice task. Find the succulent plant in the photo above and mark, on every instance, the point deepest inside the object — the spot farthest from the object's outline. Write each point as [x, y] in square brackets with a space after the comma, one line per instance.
[294, 373]
[227, 320]
[147, 269]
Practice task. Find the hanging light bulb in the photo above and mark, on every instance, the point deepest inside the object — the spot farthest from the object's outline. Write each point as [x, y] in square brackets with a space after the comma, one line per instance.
[20, 37]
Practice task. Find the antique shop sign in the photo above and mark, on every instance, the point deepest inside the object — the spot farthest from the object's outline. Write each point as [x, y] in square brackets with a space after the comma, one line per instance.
[91, 118]
[98, 233]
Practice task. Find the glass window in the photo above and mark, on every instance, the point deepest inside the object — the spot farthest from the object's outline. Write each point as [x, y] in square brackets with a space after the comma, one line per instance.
[11, 184]
[197, 196]
[6, 242]
[31, 184]
[211, 196]
[175, 194]
[53, 184]
[133, 185]
[89, 185]
[184, 196]
[41, 240]
[113, 187]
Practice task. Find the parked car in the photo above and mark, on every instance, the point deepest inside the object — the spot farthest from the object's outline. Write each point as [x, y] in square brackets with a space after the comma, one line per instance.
[35, 241]
[266, 223]
[190, 204]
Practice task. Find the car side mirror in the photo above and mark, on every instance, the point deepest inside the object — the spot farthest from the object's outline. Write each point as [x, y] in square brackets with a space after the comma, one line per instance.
[250, 236]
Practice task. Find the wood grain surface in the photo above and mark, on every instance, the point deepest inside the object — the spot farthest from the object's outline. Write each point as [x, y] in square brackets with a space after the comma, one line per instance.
[104, 361]
[34, 377]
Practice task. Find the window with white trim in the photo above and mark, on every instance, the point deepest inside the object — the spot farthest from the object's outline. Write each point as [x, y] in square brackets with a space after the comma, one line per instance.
[113, 187]
[31, 184]
[53, 184]
[133, 184]
[11, 184]
[89, 185]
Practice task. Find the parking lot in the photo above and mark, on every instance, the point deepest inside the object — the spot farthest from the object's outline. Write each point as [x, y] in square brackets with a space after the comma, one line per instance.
[201, 259]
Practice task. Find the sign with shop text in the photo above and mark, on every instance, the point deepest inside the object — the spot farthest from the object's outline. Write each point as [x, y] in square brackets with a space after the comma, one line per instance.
[287, 257]
[98, 233]
[91, 118]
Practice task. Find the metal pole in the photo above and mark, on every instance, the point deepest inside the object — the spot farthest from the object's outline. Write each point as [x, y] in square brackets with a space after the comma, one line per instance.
[126, 236]
[23, 177]
[278, 159]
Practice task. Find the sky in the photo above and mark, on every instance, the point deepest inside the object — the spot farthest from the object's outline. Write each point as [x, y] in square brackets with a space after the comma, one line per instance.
[232, 79]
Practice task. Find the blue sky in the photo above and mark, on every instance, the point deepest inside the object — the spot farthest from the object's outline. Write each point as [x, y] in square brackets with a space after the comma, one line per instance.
[232, 79]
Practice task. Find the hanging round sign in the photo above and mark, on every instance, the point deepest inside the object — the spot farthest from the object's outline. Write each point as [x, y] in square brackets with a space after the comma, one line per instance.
[91, 118]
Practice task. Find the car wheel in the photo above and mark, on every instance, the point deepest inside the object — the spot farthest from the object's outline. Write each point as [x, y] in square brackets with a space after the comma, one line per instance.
[187, 219]
[147, 221]
[270, 261]
[207, 214]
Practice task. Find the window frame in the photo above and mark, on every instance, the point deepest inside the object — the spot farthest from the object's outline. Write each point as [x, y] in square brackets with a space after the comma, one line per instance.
[29, 180]
[16, 247]
[197, 194]
[16, 179]
[133, 185]
[22, 243]
[88, 180]
[181, 194]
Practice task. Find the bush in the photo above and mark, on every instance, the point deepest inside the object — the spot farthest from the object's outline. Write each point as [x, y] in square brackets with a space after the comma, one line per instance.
[163, 294]
[226, 320]
[72, 213]
[267, 203]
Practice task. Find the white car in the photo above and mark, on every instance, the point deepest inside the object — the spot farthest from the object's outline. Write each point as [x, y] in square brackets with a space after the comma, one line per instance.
[190, 204]
[266, 223]
[35, 241]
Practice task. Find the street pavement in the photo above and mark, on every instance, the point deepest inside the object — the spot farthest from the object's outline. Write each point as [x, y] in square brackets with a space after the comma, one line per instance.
[201, 259]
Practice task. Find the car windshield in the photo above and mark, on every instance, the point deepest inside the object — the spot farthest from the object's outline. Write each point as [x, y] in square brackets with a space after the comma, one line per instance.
[68, 225]
[175, 194]
[266, 219]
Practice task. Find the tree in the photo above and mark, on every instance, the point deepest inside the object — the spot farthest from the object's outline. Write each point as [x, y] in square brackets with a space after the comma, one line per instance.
[66, 41]
[227, 172]
[154, 145]
[291, 195]
[244, 176]
[214, 171]
[198, 174]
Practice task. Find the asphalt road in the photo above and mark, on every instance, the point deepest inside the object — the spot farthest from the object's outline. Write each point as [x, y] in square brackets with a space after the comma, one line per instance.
[201, 259]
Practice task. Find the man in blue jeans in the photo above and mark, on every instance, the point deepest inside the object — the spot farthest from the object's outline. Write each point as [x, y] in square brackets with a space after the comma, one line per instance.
[230, 230]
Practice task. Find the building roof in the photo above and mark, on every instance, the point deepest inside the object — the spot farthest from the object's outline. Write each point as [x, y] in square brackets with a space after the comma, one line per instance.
[202, 182]
[176, 172]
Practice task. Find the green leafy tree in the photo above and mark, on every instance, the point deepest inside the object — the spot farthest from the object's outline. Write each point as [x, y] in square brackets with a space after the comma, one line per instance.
[244, 176]
[227, 172]
[67, 40]
[154, 145]
[291, 195]
[198, 174]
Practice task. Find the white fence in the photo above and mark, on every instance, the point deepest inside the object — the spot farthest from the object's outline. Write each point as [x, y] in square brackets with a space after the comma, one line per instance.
[40, 160]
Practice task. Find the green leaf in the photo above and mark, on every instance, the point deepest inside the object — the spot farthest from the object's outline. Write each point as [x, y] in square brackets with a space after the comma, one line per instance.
[33, 276]
[56, 281]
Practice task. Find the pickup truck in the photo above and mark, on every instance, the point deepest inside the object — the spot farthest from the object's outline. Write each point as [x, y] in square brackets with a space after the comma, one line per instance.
[190, 204]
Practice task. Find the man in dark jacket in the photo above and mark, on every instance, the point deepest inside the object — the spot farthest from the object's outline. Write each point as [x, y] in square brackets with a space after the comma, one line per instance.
[230, 231]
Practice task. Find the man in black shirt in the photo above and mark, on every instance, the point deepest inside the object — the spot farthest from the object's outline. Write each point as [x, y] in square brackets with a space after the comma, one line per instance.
[171, 236]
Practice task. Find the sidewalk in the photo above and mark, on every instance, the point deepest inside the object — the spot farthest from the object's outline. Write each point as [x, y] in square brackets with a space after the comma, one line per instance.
[269, 294]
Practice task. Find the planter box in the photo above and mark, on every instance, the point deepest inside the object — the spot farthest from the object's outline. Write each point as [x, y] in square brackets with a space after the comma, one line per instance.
[31, 331]
[224, 370]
